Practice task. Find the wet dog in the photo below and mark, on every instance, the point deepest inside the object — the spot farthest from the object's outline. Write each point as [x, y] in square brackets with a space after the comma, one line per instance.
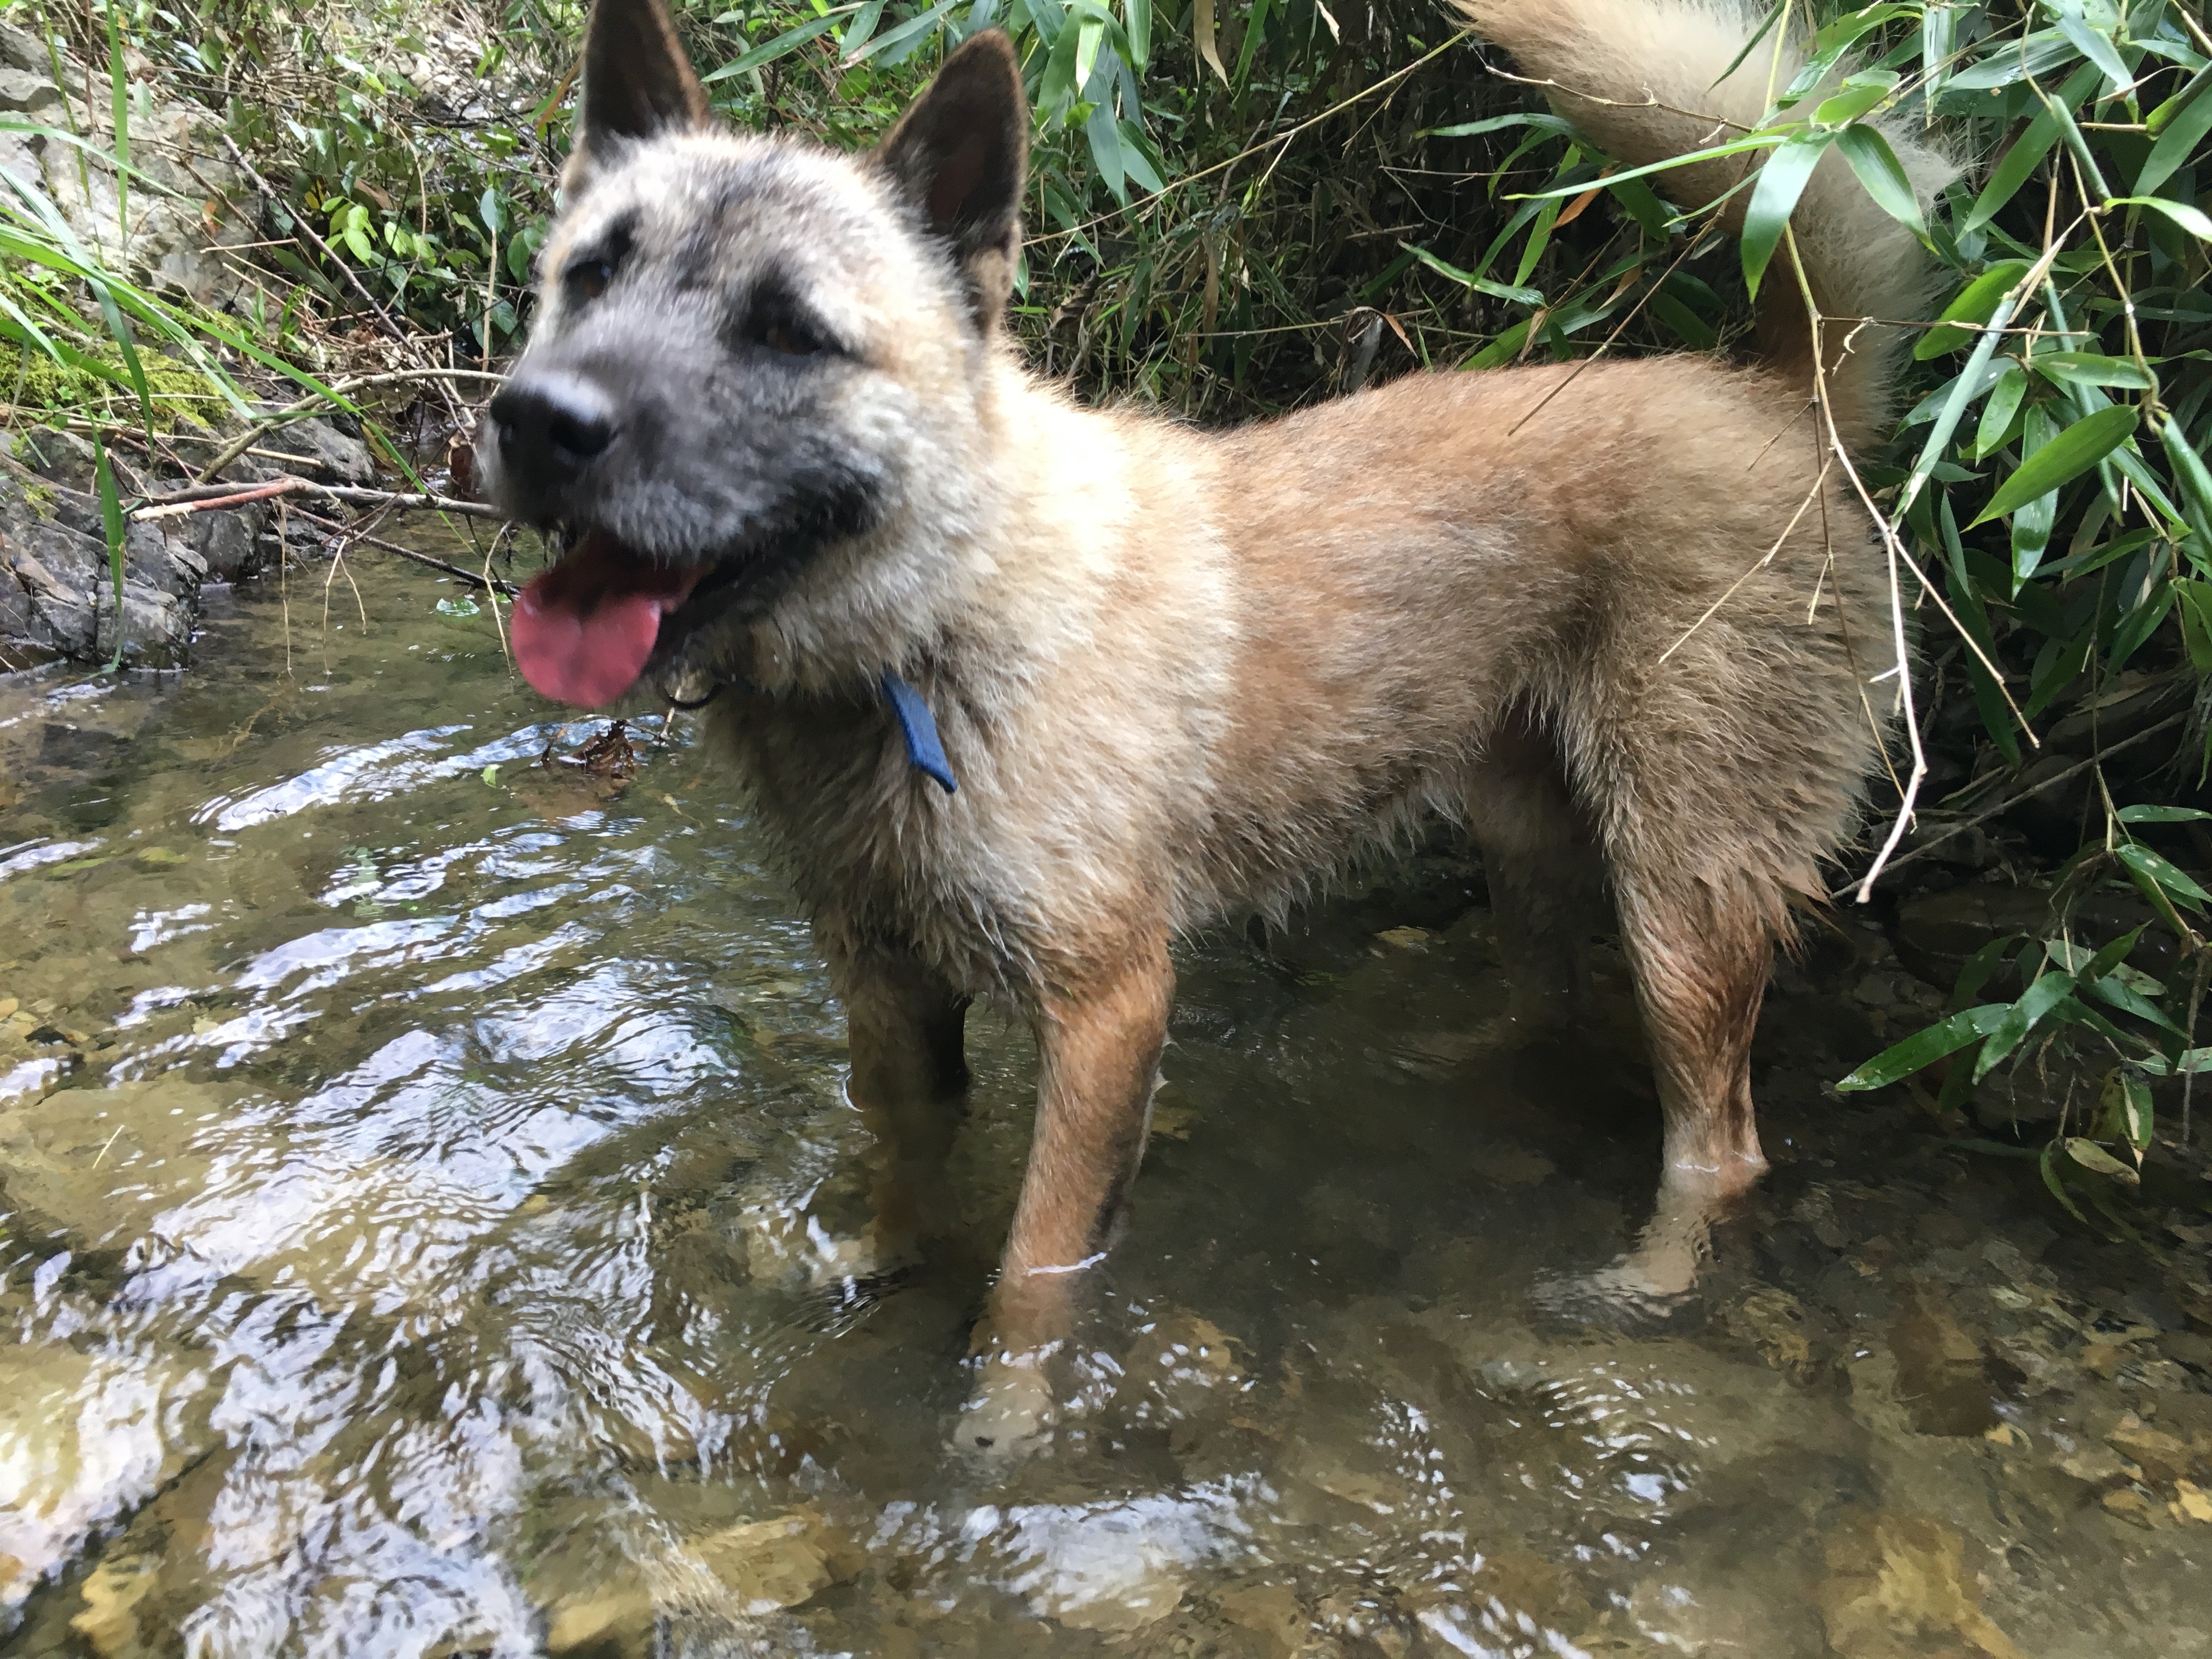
[1024, 691]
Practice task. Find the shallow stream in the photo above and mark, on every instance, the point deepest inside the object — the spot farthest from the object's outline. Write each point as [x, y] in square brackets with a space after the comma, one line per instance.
[417, 1162]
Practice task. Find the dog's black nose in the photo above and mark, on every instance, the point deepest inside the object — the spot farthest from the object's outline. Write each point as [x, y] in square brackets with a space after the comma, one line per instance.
[563, 419]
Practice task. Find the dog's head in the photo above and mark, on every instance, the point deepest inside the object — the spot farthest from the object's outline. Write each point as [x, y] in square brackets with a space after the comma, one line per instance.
[751, 355]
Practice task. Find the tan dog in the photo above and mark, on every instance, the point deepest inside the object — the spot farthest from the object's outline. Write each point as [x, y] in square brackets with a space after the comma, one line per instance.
[1605, 619]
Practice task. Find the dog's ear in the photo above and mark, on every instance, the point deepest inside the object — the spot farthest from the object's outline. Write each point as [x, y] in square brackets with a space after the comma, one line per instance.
[637, 83]
[961, 155]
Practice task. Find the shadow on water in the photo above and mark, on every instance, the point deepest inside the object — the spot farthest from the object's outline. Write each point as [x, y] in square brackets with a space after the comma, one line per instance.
[418, 1166]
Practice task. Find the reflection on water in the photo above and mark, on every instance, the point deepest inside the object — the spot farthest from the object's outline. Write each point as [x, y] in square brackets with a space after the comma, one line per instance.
[419, 1168]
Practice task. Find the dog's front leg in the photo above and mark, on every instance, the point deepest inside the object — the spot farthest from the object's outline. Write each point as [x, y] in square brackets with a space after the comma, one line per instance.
[1101, 1052]
[906, 1026]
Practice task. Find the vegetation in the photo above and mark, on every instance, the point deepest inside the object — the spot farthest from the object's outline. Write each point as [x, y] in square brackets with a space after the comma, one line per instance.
[1240, 204]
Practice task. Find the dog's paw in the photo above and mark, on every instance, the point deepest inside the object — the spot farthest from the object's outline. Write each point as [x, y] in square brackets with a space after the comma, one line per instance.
[1010, 1417]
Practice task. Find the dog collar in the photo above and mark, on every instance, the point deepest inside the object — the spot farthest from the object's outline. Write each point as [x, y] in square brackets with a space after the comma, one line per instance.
[924, 751]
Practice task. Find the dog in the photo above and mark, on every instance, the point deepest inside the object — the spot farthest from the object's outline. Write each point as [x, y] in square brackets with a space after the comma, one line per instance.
[1024, 691]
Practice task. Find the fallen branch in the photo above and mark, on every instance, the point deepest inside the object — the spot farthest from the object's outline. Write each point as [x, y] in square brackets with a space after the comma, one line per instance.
[355, 538]
[204, 498]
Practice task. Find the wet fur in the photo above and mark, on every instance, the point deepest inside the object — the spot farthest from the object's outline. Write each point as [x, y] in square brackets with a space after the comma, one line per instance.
[1182, 673]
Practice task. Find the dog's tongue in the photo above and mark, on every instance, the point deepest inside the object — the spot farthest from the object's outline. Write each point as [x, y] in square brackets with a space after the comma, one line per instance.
[583, 631]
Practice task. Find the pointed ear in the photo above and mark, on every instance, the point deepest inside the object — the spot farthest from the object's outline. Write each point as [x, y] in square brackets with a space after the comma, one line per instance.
[961, 155]
[637, 83]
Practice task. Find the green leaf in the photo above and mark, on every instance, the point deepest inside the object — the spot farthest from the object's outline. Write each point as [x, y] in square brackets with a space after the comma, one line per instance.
[1781, 182]
[1924, 1049]
[2136, 1110]
[1255, 31]
[2013, 60]
[2092, 44]
[2196, 609]
[1527, 297]
[2093, 369]
[2190, 218]
[2090, 1156]
[1977, 302]
[1975, 972]
[2051, 1179]
[769, 50]
[1737, 147]
[1498, 123]
[1103, 136]
[2177, 141]
[2161, 814]
[2065, 459]
[2150, 868]
[2035, 1005]
[119, 90]
[2128, 1000]
[111, 521]
[1997, 414]
[1855, 96]
[1883, 175]
[905, 32]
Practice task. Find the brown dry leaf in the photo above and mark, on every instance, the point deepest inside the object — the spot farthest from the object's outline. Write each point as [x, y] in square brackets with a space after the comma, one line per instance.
[1203, 32]
[1894, 1577]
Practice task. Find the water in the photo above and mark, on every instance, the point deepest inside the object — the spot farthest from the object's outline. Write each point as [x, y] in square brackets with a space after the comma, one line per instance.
[419, 1165]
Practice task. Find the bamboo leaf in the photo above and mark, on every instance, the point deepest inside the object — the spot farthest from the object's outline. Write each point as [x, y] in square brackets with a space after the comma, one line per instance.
[769, 50]
[2161, 874]
[119, 89]
[1525, 296]
[905, 32]
[2065, 459]
[1856, 95]
[1998, 413]
[2091, 368]
[1781, 182]
[1883, 175]
[2192, 219]
[2161, 814]
[2090, 1156]
[2092, 44]
[2036, 1004]
[1977, 303]
[2177, 141]
[111, 521]
[1924, 1049]
[1735, 147]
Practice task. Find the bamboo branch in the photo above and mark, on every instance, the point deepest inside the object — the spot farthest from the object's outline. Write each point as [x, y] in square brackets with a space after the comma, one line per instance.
[203, 498]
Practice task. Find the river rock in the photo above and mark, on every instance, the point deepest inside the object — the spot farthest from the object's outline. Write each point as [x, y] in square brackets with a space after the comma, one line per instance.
[58, 593]
[168, 236]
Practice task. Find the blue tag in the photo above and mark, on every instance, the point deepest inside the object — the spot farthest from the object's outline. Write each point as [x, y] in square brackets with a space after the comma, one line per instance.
[923, 750]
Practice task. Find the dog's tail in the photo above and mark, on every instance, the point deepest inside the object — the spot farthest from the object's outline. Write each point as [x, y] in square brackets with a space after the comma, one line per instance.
[1649, 79]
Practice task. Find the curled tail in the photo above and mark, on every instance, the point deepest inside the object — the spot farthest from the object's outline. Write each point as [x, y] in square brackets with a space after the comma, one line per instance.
[1646, 79]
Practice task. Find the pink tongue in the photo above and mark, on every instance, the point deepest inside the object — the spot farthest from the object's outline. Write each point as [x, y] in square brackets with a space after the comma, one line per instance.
[583, 631]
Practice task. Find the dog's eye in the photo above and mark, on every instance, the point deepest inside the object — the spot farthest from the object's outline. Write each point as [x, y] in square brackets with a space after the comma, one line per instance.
[588, 278]
[793, 339]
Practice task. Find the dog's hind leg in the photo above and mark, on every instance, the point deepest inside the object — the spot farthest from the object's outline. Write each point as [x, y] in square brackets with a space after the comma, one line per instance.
[1701, 956]
[909, 1080]
[1101, 1054]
